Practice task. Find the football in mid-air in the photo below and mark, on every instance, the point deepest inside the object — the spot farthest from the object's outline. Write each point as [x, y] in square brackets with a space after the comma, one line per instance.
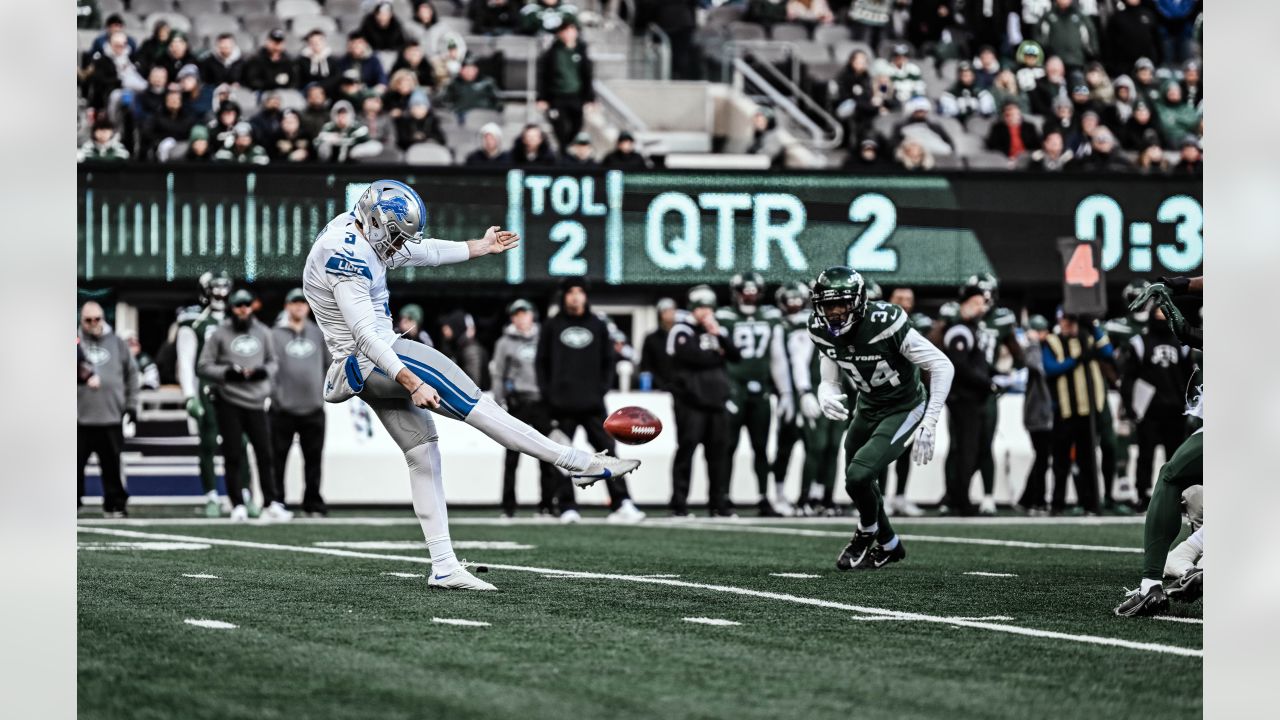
[633, 425]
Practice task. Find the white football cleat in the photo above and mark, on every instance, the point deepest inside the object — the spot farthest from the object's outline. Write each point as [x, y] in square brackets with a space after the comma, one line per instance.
[570, 517]
[626, 513]
[459, 579]
[239, 514]
[988, 506]
[603, 466]
[784, 508]
[275, 512]
[906, 507]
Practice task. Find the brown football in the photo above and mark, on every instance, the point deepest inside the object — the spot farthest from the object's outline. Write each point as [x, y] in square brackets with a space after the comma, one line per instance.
[633, 425]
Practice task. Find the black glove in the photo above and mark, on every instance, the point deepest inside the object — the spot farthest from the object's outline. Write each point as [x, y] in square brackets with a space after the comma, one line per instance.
[131, 415]
[234, 375]
[1180, 285]
[258, 373]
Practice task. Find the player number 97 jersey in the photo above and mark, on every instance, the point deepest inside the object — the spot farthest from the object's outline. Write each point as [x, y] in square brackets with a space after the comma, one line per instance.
[870, 355]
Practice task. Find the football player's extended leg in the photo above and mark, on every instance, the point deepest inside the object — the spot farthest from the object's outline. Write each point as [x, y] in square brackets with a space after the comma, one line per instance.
[872, 447]
[986, 456]
[759, 416]
[1164, 521]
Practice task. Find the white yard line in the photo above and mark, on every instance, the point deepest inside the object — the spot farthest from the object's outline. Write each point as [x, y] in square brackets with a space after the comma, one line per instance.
[403, 574]
[456, 621]
[408, 519]
[746, 592]
[794, 575]
[211, 624]
[990, 574]
[1189, 621]
[201, 576]
[711, 621]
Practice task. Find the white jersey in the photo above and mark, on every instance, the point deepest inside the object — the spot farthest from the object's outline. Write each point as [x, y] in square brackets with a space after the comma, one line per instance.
[346, 285]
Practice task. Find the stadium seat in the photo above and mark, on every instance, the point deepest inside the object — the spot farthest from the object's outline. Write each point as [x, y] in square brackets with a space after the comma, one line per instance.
[177, 21]
[246, 98]
[948, 162]
[969, 144]
[790, 31]
[739, 30]
[350, 22]
[107, 7]
[337, 7]
[291, 99]
[212, 24]
[403, 9]
[200, 7]
[293, 8]
[844, 48]
[447, 9]
[244, 8]
[987, 160]
[460, 25]
[723, 16]
[830, 34]
[85, 38]
[428, 154]
[150, 7]
[304, 24]
[812, 53]
[477, 119]
[979, 126]
[886, 47]
[258, 26]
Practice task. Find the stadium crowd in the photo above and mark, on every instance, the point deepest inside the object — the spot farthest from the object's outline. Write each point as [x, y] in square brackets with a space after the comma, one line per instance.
[1047, 85]
[749, 367]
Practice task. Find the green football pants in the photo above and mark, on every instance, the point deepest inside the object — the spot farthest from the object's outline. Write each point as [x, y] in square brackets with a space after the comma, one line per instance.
[821, 451]
[755, 413]
[1164, 515]
[870, 447]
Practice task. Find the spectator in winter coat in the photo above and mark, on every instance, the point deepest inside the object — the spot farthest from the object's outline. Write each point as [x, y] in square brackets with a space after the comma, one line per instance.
[148, 54]
[1101, 89]
[490, 150]
[565, 77]
[965, 99]
[1037, 418]
[151, 100]
[1005, 90]
[316, 113]
[857, 102]
[1050, 87]
[222, 129]
[350, 88]
[266, 122]
[292, 143]
[812, 12]
[419, 124]
[382, 129]
[1152, 161]
[382, 28]
[1176, 117]
[414, 60]
[1131, 34]
[271, 68]
[1141, 130]
[401, 86]
[765, 138]
[1104, 155]
[315, 61]
[425, 26]
[470, 91]
[197, 97]
[493, 17]
[920, 124]
[912, 155]
[624, 155]
[1062, 118]
[1067, 33]
[541, 16]
[1079, 142]
[927, 19]
[1145, 81]
[199, 150]
[870, 18]
[172, 124]
[1192, 88]
[103, 143]
[224, 64]
[1011, 136]
[579, 154]
[1030, 65]
[986, 66]
[867, 155]
[1190, 158]
[1082, 100]
[344, 138]
[114, 24]
[107, 396]
[1177, 23]
[1051, 157]
[176, 54]
[1118, 112]
[410, 325]
[360, 57]
[243, 148]
[110, 69]
[531, 148]
[907, 79]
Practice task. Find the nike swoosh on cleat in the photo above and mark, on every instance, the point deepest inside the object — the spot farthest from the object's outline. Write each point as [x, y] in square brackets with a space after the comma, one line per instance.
[441, 577]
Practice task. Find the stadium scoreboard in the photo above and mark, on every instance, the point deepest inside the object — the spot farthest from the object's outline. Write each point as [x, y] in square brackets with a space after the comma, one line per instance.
[649, 228]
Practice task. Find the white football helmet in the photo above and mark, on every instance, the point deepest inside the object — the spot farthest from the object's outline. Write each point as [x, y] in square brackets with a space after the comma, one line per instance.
[392, 216]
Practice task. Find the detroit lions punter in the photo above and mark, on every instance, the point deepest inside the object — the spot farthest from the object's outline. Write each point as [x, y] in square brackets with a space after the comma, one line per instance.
[345, 281]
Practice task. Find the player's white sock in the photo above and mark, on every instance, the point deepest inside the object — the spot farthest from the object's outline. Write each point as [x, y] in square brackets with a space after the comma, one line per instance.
[1197, 540]
[489, 418]
[891, 544]
[815, 492]
[780, 490]
[211, 496]
[873, 527]
[1148, 584]
[426, 483]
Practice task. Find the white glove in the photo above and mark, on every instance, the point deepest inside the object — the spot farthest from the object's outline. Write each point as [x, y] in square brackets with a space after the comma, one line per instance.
[922, 451]
[832, 402]
[786, 407]
[810, 407]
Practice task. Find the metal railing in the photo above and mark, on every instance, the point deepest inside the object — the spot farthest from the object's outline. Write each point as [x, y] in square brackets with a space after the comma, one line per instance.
[617, 111]
[819, 138]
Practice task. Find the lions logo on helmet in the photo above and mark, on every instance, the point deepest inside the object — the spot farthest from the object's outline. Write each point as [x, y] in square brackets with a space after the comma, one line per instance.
[391, 215]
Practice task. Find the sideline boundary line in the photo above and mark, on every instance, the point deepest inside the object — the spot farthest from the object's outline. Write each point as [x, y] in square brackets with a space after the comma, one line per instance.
[783, 597]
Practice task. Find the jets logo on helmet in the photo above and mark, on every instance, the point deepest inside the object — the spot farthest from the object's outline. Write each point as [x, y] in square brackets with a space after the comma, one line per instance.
[391, 215]
[840, 298]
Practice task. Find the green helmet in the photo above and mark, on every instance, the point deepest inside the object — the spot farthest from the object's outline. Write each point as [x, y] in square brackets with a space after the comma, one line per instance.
[949, 311]
[701, 296]
[749, 283]
[839, 298]
[215, 288]
[873, 290]
[792, 296]
[1131, 293]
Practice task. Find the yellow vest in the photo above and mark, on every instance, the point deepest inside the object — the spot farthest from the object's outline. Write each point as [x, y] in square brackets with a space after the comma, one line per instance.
[1077, 386]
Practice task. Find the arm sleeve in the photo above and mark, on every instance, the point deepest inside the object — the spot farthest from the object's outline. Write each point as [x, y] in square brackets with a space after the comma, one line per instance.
[272, 363]
[186, 349]
[357, 310]
[432, 252]
[957, 344]
[211, 367]
[800, 349]
[829, 371]
[924, 355]
[1054, 367]
[131, 377]
[779, 364]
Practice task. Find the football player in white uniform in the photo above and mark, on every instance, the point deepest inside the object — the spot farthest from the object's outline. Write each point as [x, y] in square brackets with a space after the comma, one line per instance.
[345, 281]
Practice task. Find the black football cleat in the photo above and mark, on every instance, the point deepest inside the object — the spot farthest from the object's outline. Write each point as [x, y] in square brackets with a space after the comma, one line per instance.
[1137, 604]
[878, 557]
[856, 551]
[765, 509]
[1188, 588]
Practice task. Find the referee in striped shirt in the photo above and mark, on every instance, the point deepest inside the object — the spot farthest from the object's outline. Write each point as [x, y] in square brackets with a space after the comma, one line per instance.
[1072, 363]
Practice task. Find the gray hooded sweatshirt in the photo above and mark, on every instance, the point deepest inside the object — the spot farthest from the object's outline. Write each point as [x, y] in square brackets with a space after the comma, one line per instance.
[513, 369]
[303, 359]
[226, 349]
[117, 376]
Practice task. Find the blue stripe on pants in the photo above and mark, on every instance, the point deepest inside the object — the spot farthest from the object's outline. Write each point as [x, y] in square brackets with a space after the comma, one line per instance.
[451, 396]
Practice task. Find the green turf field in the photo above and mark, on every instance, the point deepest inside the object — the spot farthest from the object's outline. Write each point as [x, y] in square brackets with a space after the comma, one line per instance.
[590, 623]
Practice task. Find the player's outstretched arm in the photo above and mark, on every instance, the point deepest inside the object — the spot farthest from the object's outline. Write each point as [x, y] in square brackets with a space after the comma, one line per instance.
[433, 252]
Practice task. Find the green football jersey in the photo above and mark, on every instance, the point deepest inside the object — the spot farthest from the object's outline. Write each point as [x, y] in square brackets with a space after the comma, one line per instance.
[871, 357]
[998, 325]
[753, 334]
[203, 323]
